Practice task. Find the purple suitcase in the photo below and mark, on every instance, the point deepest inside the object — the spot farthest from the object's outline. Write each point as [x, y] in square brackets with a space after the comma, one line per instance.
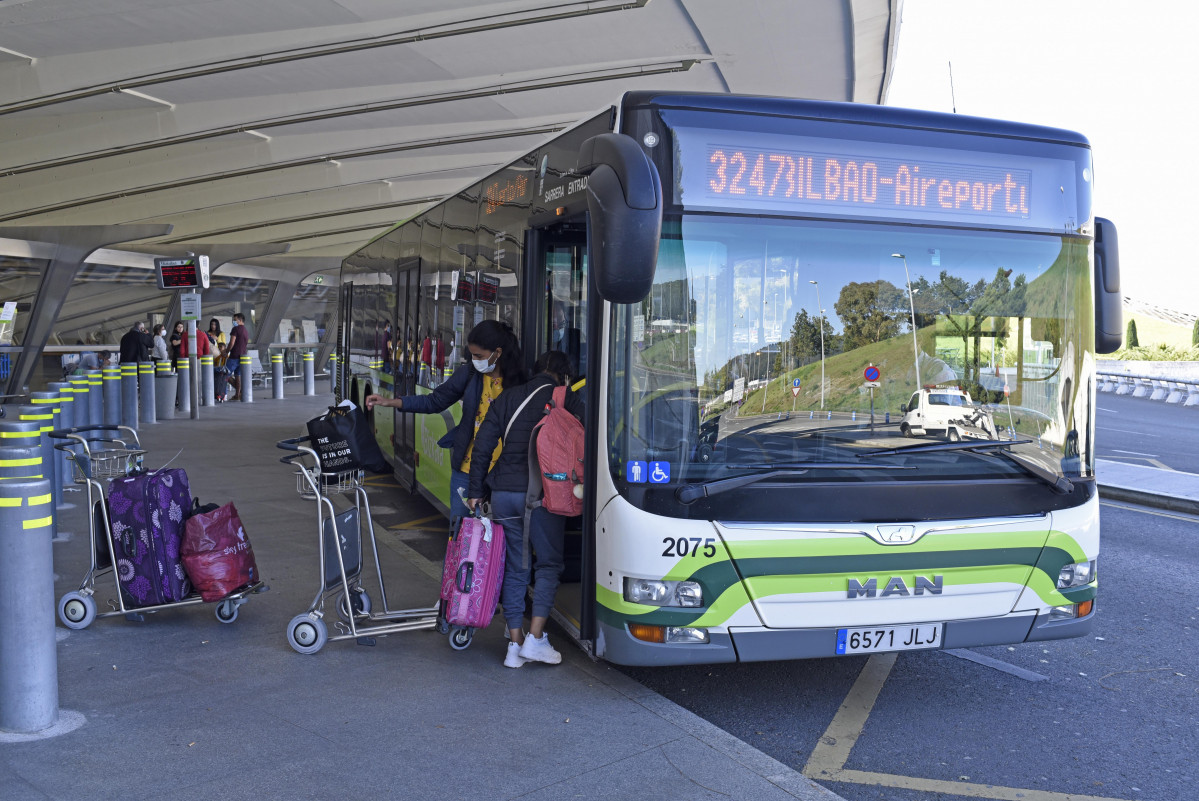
[473, 573]
[147, 515]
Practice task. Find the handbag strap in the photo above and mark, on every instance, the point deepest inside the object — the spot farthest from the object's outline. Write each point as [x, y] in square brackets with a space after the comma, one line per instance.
[520, 408]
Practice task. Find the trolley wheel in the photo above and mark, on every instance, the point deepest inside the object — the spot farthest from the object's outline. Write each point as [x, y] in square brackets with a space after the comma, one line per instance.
[360, 602]
[226, 611]
[307, 634]
[443, 626]
[460, 638]
[76, 610]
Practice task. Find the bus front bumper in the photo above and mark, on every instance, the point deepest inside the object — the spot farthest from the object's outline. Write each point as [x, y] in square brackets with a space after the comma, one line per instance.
[756, 644]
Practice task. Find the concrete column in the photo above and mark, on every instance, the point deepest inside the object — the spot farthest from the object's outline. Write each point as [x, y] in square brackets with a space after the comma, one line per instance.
[147, 390]
[309, 373]
[49, 403]
[277, 375]
[247, 380]
[28, 655]
[110, 390]
[183, 397]
[207, 388]
[165, 384]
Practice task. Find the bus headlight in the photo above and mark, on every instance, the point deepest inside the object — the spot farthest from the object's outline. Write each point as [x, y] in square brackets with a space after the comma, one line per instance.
[1076, 575]
[663, 593]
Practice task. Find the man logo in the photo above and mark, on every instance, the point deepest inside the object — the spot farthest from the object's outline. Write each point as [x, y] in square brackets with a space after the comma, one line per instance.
[895, 586]
[894, 535]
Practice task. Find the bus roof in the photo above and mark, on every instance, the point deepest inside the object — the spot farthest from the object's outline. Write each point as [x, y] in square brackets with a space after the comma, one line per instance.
[852, 112]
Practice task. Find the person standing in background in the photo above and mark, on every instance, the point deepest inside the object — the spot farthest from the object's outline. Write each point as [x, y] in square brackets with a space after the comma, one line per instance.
[239, 343]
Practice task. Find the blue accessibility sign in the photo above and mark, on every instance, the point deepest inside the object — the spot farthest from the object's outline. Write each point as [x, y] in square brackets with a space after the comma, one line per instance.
[659, 472]
[636, 472]
[795, 383]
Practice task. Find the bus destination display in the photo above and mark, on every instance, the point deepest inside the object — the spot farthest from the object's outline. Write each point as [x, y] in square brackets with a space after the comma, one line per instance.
[177, 273]
[807, 174]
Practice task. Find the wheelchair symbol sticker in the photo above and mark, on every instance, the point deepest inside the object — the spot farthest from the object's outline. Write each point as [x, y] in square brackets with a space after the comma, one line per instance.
[659, 472]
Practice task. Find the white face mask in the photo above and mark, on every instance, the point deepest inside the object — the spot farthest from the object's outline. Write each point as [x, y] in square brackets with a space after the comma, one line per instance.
[483, 365]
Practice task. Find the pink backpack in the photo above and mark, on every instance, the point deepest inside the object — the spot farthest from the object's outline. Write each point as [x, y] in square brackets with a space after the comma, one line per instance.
[556, 453]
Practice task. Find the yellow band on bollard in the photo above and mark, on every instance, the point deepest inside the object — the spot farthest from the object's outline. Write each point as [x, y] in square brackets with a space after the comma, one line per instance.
[38, 500]
[19, 434]
[20, 462]
[7, 502]
[37, 417]
[44, 400]
[40, 522]
[182, 365]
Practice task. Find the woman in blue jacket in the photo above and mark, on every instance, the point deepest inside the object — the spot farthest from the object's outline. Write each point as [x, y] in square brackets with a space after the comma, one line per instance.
[495, 364]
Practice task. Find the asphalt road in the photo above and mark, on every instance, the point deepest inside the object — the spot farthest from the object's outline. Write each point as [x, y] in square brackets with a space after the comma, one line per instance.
[1109, 715]
[1149, 433]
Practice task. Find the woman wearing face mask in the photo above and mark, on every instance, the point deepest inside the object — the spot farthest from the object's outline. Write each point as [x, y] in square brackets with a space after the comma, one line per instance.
[512, 419]
[495, 364]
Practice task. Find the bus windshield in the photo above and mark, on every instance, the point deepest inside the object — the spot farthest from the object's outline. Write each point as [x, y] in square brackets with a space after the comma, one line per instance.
[780, 342]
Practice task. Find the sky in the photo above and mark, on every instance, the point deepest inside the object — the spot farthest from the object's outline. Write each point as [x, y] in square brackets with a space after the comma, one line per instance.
[1121, 73]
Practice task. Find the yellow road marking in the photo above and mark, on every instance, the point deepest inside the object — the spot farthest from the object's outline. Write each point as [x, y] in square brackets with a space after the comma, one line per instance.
[415, 525]
[1147, 511]
[827, 762]
[832, 752]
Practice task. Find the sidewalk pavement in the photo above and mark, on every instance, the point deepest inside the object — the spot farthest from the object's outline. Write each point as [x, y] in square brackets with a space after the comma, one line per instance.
[1150, 486]
[182, 706]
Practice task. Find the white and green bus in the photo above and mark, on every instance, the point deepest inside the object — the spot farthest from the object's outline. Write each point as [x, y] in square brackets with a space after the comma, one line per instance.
[756, 288]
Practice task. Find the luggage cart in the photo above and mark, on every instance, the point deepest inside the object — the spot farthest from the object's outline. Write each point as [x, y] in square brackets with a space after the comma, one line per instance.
[115, 454]
[341, 560]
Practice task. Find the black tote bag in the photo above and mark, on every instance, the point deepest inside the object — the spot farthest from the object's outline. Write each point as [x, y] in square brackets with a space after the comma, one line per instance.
[343, 440]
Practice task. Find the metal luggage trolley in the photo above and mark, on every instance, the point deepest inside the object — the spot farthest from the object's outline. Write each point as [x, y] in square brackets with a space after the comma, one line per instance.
[117, 453]
[341, 560]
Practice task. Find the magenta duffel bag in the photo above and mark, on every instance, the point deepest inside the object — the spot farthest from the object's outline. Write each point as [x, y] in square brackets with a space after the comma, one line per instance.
[473, 573]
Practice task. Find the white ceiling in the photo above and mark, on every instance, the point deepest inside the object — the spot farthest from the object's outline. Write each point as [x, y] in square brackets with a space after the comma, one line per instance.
[321, 123]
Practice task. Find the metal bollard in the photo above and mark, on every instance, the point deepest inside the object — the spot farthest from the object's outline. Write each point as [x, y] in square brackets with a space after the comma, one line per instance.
[183, 393]
[166, 384]
[247, 380]
[28, 655]
[43, 417]
[146, 392]
[207, 387]
[83, 392]
[20, 449]
[95, 401]
[49, 403]
[129, 394]
[277, 375]
[111, 395]
[66, 419]
[309, 373]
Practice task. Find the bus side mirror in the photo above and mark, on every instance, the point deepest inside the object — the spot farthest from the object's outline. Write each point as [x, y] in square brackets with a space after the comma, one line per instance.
[1109, 312]
[624, 198]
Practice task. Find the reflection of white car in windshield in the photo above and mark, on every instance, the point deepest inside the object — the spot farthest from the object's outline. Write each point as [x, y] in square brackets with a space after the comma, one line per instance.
[947, 412]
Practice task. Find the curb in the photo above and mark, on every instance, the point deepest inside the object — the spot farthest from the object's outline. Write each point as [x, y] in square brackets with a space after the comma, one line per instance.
[1156, 500]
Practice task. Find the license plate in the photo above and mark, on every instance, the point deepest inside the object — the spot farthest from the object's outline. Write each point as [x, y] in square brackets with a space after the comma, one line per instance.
[889, 638]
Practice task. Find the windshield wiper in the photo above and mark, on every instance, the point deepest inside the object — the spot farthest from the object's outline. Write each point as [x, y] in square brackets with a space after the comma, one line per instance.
[689, 493]
[1001, 448]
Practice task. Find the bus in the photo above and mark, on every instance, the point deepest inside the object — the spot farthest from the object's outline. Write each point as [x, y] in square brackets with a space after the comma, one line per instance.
[754, 288]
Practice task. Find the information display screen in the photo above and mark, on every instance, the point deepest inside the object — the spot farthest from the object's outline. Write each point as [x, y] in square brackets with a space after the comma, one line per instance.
[723, 169]
[177, 273]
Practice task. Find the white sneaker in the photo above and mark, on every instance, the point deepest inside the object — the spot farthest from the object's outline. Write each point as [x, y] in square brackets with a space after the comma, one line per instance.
[513, 659]
[539, 650]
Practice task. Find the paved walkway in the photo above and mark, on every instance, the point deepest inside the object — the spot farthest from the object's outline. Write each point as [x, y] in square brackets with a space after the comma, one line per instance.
[184, 707]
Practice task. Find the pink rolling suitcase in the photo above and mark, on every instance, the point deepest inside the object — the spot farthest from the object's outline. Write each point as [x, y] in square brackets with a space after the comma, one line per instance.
[471, 578]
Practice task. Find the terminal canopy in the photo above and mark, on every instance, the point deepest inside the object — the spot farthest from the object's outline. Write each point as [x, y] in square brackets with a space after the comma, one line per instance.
[321, 123]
